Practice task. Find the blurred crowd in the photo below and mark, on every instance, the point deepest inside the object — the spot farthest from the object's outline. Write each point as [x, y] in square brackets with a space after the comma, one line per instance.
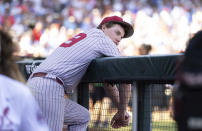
[39, 26]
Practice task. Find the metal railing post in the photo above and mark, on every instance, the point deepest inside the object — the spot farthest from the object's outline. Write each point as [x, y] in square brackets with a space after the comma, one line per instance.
[83, 94]
[144, 107]
[134, 107]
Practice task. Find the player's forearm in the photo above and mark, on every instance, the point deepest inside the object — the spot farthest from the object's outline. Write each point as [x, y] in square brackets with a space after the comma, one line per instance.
[125, 92]
[113, 93]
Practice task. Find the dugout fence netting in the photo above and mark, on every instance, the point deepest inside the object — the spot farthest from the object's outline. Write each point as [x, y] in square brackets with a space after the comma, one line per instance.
[158, 99]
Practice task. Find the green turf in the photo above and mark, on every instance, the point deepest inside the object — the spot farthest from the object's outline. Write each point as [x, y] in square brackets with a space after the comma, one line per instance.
[156, 126]
[164, 126]
[109, 128]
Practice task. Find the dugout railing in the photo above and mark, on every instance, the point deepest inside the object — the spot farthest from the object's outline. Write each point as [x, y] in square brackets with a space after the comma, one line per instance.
[140, 71]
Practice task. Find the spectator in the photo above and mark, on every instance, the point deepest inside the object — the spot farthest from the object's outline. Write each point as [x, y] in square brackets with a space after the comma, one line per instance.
[18, 108]
[144, 49]
[7, 20]
[37, 31]
[188, 89]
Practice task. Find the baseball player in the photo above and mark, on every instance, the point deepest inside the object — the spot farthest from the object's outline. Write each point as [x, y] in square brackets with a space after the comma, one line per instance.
[18, 109]
[63, 69]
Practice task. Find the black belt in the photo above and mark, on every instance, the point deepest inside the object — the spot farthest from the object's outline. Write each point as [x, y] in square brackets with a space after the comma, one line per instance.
[42, 74]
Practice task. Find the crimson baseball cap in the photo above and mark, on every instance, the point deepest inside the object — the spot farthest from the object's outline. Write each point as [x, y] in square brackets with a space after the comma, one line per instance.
[127, 27]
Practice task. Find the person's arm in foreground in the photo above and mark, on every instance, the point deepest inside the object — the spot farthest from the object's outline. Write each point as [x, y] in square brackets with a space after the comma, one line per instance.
[120, 98]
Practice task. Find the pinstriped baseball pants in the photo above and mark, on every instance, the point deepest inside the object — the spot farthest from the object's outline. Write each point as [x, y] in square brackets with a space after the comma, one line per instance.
[55, 108]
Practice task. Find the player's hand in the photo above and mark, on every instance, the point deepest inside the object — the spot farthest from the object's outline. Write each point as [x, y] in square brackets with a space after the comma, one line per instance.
[120, 119]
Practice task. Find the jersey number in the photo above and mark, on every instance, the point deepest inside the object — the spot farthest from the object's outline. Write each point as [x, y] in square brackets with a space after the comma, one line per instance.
[73, 40]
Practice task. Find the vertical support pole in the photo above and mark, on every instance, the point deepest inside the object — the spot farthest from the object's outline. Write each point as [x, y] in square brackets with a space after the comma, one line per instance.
[134, 107]
[83, 94]
[144, 107]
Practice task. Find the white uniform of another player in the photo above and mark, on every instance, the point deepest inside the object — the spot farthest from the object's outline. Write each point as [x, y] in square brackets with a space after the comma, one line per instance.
[18, 108]
[63, 69]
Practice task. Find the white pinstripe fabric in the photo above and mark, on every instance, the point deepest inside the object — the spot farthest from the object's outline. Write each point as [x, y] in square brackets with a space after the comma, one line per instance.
[69, 64]
[55, 108]
[50, 96]
[76, 116]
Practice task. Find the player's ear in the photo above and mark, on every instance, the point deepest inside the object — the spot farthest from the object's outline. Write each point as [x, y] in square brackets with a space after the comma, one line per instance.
[103, 27]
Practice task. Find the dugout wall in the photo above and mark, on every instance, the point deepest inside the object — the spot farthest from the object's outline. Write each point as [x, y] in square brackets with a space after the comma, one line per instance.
[140, 71]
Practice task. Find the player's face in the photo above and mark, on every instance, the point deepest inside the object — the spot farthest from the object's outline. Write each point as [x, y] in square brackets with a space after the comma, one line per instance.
[115, 33]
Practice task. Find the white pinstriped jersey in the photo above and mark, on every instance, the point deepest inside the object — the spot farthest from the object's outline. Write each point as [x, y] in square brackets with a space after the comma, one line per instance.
[18, 109]
[70, 60]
